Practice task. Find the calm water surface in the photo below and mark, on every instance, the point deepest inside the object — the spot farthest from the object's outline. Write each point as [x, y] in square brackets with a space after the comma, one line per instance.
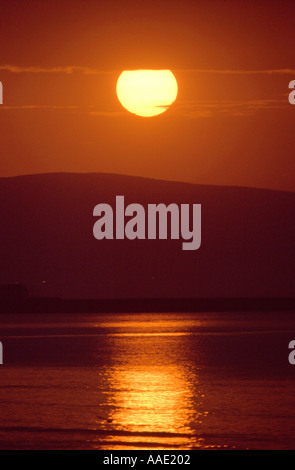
[147, 381]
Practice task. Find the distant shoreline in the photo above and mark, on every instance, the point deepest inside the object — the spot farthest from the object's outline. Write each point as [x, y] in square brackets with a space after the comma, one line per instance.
[57, 305]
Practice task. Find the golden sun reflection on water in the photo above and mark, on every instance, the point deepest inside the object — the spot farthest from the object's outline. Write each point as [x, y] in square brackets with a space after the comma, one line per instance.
[153, 405]
[152, 399]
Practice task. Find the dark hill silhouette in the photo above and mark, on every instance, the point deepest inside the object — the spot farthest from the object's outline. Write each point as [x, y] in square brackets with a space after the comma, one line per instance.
[47, 244]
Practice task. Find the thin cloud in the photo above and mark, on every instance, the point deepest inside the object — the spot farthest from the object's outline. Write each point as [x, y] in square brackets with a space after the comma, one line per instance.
[38, 106]
[89, 111]
[212, 108]
[189, 109]
[71, 69]
[240, 72]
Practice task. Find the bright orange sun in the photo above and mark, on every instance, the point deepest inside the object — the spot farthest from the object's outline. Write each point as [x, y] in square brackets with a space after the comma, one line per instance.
[146, 92]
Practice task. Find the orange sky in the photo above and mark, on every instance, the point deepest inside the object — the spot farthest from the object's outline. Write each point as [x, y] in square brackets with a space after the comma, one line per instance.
[232, 123]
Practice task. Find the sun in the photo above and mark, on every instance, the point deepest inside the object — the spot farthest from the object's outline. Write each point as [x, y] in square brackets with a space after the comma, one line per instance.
[146, 92]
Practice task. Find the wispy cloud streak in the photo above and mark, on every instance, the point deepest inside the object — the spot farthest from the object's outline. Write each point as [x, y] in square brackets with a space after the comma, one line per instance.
[71, 69]
[189, 109]
[240, 72]
[212, 108]
[39, 106]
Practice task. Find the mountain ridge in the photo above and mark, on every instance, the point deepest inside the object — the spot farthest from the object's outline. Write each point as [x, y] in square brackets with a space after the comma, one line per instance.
[144, 178]
[47, 244]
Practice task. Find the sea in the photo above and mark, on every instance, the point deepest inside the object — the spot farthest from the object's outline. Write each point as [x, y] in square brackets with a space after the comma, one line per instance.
[147, 381]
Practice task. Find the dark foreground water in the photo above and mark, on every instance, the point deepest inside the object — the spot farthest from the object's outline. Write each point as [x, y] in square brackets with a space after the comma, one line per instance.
[147, 381]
